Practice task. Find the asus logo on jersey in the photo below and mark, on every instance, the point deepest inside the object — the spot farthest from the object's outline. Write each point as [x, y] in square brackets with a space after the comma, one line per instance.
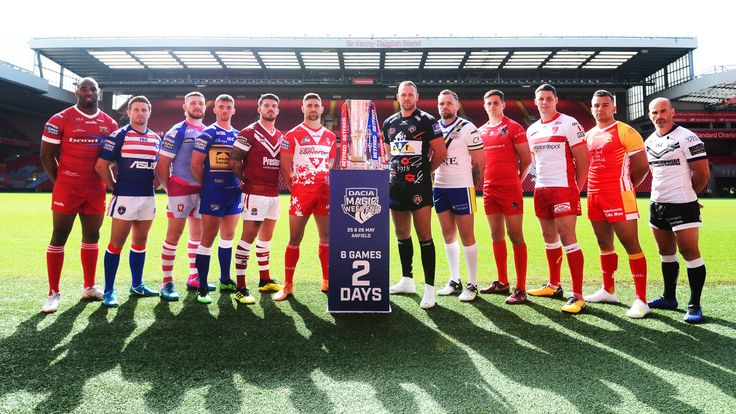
[271, 162]
[143, 165]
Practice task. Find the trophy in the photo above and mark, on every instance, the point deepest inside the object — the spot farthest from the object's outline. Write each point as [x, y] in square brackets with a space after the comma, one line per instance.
[358, 110]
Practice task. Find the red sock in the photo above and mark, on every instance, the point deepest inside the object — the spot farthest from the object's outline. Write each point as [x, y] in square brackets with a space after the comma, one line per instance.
[242, 254]
[263, 254]
[168, 255]
[638, 265]
[500, 254]
[192, 246]
[324, 259]
[520, 261]
[575, 262]
[54, 263]
[89, 254]
[291, 257]
[554, 262]
[609, 265]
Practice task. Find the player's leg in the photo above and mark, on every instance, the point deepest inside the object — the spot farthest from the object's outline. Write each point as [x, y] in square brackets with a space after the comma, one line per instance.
[89, 251]
[402, 229]
[263, 255]
[137, 258]
[225, 250]
[323, 250]
[210, 227]
[627, 232]
[603, 231]
[667, 247]
[500, 254]
[194, 226]
[687, 243]
[452, 251]
[553, 250]
[62, 227]
[466, 228]
[515, 230]
[297, 224]
[174, 229]
[119, 230]
[422, 218]
[242, 255]
[575, 261]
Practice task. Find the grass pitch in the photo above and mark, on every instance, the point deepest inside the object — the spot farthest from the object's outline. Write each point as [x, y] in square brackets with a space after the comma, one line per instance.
[152, 356]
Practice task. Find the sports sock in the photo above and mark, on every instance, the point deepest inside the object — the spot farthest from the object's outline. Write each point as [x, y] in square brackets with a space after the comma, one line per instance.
[324, 259]
[452, 251]
[406, 254]
[471, 261]
[575, 262]
[696, 277]
[609, 265]
[429, 258]
[638, 266]
[670, 270]
[520, 262]
[263, 254]
[54, 263]
[168, 255]
[88, 254]
[136, 260]
[224, 256]
[111, 263]
[202, 261]
[500, 255]
[242, 254]
[291, 258]
[554, 262]
[192, 246]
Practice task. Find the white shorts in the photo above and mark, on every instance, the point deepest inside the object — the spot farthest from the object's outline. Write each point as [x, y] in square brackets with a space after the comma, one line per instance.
[183, 206]
[132, 208]
[259, 208]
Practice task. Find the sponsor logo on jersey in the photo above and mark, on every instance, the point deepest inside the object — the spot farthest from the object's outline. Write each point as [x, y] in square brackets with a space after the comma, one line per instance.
[406, 148]
[436, 129]
[285, 145]
[143, 165]
[109, 145]
[84, 140]
[697, 149]
[52, 129]
[450, 161]
[361, 203]
[391, 131]
[271, 162]
[104, 130]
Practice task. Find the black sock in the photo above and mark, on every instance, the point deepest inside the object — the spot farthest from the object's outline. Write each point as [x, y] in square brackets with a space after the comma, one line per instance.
[406, 253]
[696, 276]
[429, 258]
[669, 274]
[203, 267]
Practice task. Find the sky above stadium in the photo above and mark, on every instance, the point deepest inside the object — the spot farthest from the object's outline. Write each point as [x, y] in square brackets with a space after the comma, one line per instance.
[709, 22]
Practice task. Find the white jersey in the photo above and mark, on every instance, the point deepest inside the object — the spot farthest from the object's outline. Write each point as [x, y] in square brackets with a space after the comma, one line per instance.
[461, 137]
[550, 142]
[669, 156]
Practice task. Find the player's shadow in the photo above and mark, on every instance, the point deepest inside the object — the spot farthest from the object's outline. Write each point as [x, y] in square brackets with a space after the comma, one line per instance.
[27, 355]
[91, 352]
[395, 353]
[543, 357]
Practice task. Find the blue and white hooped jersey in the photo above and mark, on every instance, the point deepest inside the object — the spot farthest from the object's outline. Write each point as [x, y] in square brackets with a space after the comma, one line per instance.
[135, 154]
[216, 142]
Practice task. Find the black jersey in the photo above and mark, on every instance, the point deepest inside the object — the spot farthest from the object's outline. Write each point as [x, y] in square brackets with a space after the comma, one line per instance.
[409, 139]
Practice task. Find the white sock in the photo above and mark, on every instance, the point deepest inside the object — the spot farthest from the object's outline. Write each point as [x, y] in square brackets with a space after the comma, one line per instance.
[452, 251]
[471, 260]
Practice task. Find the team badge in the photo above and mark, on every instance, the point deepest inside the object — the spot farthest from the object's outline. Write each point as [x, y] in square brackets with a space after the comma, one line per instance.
[180, 207]
[254, 211]
[504, 130]
[121, 210]
[391, 131]
[417, 199]
[305, 140]
[412, 129]
[361, 203]
[214, 207]
[104, 130]
[514, 205]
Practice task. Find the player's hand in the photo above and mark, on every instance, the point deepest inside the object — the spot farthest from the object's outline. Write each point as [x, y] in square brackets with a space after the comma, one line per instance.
[700, 205]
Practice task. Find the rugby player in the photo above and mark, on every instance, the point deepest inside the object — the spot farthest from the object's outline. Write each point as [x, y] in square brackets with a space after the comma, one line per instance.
[255, 159]
[134, 149]
[409, 136]
[307, 153]
[74, 137]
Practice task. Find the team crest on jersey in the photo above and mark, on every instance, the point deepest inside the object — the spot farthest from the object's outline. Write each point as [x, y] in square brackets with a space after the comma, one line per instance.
[391, 131]
[555, 129]
[417, 199]
[412, 129]
[305, 140]
[121, 210]
[104, 130]
[504, 130]
[361, 203]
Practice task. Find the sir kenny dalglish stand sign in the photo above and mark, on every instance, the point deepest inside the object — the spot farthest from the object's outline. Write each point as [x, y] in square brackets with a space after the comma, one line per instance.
[359, 240]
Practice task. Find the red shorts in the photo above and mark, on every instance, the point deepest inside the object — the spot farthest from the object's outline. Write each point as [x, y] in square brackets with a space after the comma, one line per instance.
[553, 202]
[612, 206]
[310, 199]
[72, 200]
[508, 200]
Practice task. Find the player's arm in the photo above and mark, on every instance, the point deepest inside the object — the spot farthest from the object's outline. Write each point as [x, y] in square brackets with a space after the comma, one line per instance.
[163, 168]
[701, 174]
[102, 168]
[478, 160]
[639, 167]
[197, 165]
[524, 155]
[582, 162]
[237, 156]
[285, 167]
[439, 152]
[48, 159]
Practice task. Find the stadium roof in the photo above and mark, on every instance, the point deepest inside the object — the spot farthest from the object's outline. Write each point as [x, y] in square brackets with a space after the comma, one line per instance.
[24, 92]
[307, 61]
[716, 90]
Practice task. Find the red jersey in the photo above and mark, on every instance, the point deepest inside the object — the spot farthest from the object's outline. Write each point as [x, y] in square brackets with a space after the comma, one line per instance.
[312, 151]
[80, 137]
[609, 151]
[261, 159]
[502, 164]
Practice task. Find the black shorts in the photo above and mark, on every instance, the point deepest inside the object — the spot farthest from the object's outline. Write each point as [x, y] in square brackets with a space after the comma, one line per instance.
[410, 197]
[674, 216]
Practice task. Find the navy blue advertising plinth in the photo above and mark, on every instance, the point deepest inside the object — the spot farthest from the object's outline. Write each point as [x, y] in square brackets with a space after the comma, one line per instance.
[359, 227]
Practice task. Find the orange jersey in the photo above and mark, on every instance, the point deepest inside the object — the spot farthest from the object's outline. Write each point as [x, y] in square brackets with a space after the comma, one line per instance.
[609, 151]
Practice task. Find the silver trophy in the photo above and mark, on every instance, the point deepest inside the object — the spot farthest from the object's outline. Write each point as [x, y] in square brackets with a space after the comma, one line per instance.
[358, 113]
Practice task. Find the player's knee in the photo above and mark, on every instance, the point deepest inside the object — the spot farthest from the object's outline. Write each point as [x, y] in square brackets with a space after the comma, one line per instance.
[516, 238]
[91, 236]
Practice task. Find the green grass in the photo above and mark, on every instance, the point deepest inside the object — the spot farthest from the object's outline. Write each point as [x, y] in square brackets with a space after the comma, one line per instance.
[150, 356]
